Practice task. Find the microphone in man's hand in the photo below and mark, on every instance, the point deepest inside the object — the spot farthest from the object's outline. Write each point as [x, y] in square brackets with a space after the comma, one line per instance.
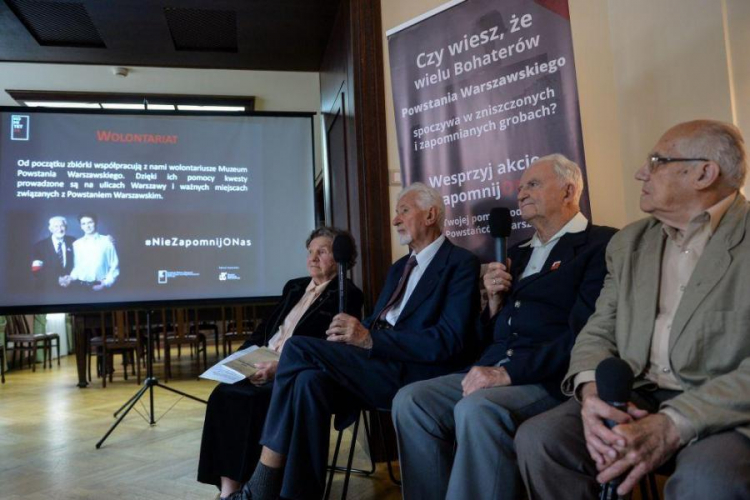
[614, 381]
[501, 224]
[343, 249]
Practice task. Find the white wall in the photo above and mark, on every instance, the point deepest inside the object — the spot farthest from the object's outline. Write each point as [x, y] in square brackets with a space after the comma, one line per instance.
[670, 66]
[642, 66]
[737, 19]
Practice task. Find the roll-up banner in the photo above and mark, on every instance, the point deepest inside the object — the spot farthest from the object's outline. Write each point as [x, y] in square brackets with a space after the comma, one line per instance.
[482, 88]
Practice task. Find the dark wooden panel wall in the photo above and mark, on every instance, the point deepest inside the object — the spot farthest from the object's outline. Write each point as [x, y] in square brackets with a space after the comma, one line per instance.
[353, 104]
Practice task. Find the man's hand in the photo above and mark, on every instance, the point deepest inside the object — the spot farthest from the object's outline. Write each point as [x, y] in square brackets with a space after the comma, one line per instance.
[483, 377]
[601, 442]
[349, 330]
[266, 372]
[497, 281]
[649, 442]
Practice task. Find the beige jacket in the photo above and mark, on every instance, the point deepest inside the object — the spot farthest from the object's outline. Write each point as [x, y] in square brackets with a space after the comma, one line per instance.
[709, 347]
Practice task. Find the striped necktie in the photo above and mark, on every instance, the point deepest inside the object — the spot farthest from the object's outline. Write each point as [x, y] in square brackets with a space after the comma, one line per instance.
[400, 288]
[60, 254]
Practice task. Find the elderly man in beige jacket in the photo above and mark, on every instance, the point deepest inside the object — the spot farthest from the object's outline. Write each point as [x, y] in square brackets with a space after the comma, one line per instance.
[676, 307]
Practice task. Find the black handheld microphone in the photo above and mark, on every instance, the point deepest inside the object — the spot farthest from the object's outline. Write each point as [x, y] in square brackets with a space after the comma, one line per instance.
[501, 224]
[614, 381]
[343, 249]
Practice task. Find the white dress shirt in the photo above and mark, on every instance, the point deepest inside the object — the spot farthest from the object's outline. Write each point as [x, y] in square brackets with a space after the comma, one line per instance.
[95, 259]
[423, 260]
[541, 251]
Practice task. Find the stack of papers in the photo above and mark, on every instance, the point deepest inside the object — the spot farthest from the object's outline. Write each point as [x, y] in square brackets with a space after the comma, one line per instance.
[240, 365]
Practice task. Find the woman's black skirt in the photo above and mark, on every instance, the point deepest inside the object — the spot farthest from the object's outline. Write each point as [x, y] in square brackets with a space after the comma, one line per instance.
[234, 421]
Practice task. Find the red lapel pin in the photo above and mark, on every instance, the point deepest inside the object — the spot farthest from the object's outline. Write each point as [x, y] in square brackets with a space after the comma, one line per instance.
[555, 265]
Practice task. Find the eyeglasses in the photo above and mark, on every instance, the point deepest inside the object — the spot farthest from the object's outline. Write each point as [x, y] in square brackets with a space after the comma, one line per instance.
[654, 161]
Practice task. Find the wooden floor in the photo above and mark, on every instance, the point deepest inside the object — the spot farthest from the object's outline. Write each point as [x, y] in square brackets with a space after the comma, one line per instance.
[49, 428]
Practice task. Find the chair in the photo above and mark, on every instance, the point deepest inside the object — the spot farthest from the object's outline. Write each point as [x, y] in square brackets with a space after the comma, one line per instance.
[142, 332]
[348, 470]
[334, 467]
[237, 328]
[179, 332]
[2, 364]
[207, 327]
[649, 489]
[24, 340]
[124, 340]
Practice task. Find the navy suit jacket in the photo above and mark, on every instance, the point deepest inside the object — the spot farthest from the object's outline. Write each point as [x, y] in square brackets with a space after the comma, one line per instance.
[318, 316]
[434, 333]
[543, 313]
[52, 269]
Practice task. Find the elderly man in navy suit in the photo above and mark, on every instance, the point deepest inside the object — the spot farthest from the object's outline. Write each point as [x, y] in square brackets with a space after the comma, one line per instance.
[421, 328]
[52, 257]
[455, 432]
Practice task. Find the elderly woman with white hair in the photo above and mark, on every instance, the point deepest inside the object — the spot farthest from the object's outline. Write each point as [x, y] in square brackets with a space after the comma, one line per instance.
[236, 413]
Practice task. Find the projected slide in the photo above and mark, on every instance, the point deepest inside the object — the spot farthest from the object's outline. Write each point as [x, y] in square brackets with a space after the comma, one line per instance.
[135, 208]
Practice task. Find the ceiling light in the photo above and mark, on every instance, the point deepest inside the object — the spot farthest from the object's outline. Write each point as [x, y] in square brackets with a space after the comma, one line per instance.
[115, 105]
[160, 107]
[62, 104]
[184, 107]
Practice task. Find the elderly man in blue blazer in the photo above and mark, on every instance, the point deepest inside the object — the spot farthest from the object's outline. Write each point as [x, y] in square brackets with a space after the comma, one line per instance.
[422, 327]
[455, 432]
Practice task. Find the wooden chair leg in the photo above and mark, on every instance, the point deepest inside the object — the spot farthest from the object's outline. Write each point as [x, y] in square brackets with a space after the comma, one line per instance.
[167, 362]
[104, 367]
[125, 364]
[205, 356]
[89, 365]
[138, 363]
[48, 352]
[33, 361]
[58, 351]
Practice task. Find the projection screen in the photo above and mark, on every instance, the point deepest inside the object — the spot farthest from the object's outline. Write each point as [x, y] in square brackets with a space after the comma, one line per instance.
[119, 208]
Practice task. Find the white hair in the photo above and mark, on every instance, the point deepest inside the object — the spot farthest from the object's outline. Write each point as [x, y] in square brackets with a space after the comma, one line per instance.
[58, 218]
[719, 142]
[567, 171]
[426, 197]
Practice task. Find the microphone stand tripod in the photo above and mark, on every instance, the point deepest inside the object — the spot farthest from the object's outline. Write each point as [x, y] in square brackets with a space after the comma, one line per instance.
[148, 386]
